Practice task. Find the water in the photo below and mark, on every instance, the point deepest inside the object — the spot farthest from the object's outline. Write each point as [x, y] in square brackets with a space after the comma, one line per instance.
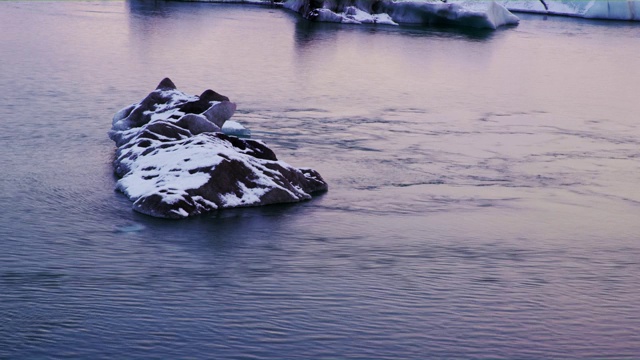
[483, 196]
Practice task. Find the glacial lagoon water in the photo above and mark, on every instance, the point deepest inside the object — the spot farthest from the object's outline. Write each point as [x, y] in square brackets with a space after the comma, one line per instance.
[484, 195]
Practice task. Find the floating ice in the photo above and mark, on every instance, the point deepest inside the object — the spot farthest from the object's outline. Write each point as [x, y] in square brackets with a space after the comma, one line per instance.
[478, 14]
[174, 161]
[592, 9]
[129, 228]
[474, 13]
[234, 128]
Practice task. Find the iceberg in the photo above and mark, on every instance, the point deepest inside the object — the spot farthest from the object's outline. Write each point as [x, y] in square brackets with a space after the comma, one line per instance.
[174, 159]
[469, 13]
[589, 9]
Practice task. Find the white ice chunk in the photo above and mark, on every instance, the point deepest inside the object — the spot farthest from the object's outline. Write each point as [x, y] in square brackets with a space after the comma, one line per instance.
[234, 128]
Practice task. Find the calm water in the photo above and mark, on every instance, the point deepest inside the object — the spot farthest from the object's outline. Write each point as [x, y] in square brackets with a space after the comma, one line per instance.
[484, 189]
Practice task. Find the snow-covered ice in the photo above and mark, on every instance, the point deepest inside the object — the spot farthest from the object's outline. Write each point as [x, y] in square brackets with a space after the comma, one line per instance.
[175, 158]
[350, 15]
[474, 13]
[478, 14]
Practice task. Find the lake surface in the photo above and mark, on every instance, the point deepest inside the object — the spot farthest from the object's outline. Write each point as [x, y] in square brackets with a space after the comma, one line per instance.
[484, 195]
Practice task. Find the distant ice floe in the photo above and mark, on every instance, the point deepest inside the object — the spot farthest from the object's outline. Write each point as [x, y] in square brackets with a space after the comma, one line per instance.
[176, 158]
[590, 9]
[473, 13]
[468, 13]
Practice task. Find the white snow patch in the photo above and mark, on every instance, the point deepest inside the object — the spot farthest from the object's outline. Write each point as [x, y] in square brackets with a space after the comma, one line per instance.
[169, 168]
[182, 212]
[248, 197]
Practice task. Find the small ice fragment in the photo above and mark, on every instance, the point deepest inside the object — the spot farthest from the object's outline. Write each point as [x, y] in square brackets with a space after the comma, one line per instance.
[234, 128]
[129, 228]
